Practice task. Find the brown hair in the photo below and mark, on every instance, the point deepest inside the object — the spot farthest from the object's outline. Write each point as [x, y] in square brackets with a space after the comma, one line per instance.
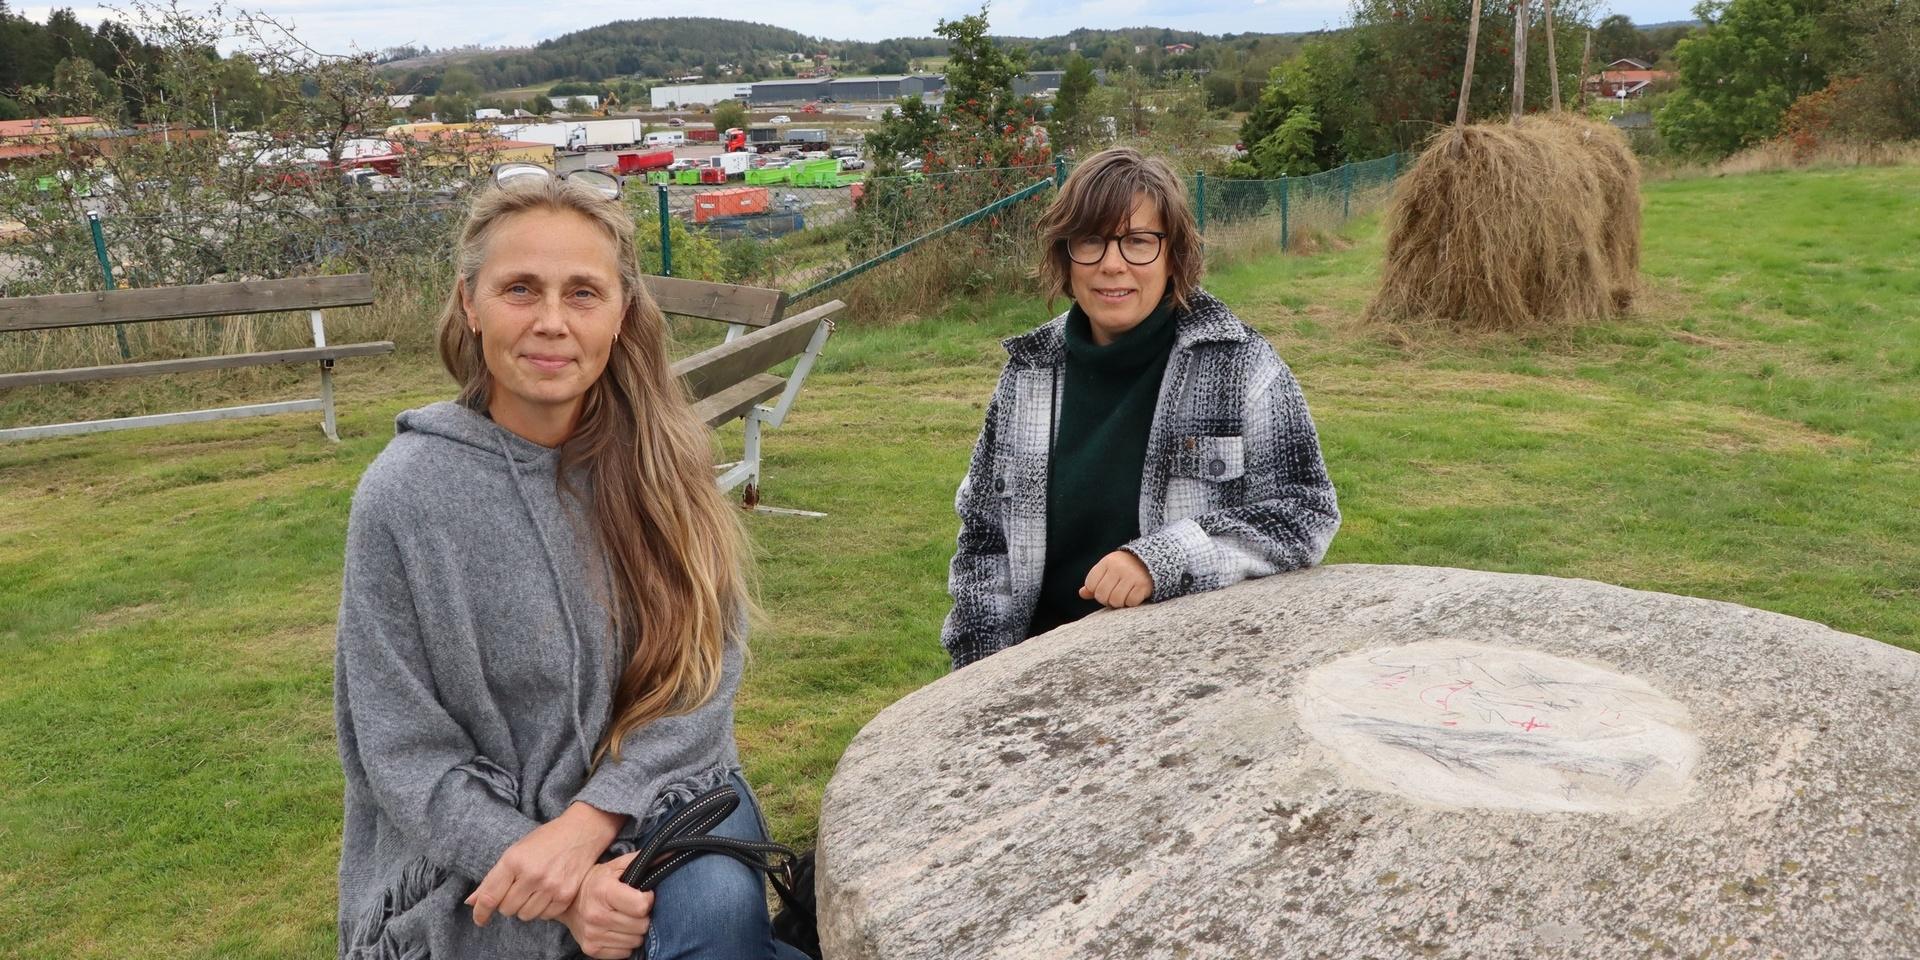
[1099, 197]
[673, 545]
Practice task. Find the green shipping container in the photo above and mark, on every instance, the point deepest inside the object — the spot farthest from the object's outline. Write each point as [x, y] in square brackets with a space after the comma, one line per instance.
[763, 177]
[816, 173]
[690, 177]
[657, 176]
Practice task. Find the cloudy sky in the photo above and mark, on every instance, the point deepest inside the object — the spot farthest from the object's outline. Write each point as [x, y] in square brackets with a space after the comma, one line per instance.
[339, 25]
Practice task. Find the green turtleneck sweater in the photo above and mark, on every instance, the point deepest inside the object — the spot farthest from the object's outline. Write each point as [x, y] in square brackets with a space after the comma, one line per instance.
[1099, 451]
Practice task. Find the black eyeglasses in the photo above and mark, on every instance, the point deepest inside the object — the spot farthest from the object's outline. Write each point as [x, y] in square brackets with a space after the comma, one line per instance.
[1138, 247]
[604, 184]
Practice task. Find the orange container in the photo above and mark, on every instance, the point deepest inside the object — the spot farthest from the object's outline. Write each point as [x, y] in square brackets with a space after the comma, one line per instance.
[734, 202]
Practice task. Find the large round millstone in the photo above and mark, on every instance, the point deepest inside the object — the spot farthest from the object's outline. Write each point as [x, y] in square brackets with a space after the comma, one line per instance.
[1373, 761]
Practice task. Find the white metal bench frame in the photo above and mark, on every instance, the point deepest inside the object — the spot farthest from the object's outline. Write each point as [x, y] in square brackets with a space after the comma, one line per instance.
[175, 303]
[742, 309]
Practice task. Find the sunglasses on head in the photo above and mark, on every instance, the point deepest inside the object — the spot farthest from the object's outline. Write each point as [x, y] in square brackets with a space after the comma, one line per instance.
[604, 184]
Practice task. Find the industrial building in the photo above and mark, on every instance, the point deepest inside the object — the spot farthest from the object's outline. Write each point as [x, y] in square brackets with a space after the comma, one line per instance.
[883, 88]
[790, 91]
[875, 89]
[1040, 83]
[680, 95]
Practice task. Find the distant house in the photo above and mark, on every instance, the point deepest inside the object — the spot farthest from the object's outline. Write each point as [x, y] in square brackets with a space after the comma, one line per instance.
[1139, 48]
[46, 129]
[1628, 63]
[402, 101]
[1178, 49]
[1624, 84]
[590, 101]
[488, 113]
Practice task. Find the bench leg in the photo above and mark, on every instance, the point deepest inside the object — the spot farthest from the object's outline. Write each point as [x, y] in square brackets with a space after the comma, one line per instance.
[327, 423]
[750, 458]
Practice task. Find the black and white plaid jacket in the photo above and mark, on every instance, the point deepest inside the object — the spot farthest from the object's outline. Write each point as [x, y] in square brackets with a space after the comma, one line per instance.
[1234, 484]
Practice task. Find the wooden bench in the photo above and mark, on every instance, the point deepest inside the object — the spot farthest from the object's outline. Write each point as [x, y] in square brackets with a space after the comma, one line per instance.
[734, 380]
[312, 294]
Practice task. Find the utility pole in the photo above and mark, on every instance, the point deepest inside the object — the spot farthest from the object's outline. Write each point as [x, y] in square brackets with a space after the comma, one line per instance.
[1520, 14]
[1586, 61]
[1466, 76]
[1553, 62]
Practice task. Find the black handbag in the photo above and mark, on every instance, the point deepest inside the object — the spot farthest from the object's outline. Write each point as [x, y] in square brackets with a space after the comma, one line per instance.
[683, 836]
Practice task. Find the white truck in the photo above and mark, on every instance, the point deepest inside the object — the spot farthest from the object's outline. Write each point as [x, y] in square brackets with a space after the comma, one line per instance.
[607, 134]
[735, 164]
[564, 136]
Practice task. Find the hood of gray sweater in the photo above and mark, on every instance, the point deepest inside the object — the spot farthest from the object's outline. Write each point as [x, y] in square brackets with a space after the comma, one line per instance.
[531, 472]
[474, 675]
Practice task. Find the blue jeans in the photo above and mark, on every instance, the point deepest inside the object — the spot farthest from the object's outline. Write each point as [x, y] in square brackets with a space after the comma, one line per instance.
[715, 907]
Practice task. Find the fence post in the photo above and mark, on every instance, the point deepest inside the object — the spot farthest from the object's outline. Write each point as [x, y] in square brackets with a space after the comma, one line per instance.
[1200, 197]
[1283, 214]
[1393, 167]
[666, 234]
[106, 270]
[1059, 172]
[1346, 192]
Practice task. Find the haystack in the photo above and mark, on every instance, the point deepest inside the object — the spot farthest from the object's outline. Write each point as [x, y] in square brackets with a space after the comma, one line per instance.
[1498, 226]
[1613, 162]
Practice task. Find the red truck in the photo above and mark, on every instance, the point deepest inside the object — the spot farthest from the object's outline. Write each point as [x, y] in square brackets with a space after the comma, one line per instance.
[631, 164]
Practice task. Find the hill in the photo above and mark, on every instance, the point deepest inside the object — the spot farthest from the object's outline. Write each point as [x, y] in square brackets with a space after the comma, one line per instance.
[659, 48]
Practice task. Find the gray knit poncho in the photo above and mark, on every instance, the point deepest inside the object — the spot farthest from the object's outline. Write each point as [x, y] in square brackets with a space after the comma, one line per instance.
[474, 674]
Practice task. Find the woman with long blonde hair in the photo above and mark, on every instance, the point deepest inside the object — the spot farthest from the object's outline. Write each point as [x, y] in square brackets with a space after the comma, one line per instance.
[541, 620]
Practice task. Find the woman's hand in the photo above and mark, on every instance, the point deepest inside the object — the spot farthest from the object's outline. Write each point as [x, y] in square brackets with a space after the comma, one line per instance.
[537, 878]
[1120, 579]
[609, 919]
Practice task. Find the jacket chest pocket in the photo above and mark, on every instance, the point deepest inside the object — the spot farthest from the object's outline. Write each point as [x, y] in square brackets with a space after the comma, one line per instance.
[1215, 459]
[1199, 479]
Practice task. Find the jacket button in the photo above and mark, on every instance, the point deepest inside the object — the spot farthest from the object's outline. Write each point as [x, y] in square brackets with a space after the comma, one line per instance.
[1217, 467]
[999, 485]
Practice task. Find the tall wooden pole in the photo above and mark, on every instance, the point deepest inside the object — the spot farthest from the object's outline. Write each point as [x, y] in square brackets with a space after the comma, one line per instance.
[1466, 76]
[1586, 61]
[1553, 62]
[1520, 14]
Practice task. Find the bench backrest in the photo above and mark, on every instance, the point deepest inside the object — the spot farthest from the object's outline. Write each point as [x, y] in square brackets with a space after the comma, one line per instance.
[725, 302]
[175, 303]
[711, 371]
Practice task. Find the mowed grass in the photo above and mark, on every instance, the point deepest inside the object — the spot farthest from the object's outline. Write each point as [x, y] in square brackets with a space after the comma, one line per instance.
[168, 779]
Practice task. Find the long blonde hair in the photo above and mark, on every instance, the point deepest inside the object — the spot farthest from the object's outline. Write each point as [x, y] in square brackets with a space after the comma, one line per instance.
[673, 545]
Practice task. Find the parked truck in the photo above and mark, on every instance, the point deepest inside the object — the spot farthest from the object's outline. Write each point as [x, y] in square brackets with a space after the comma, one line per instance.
[608, 134]
[559, 135]
[764, 139]
[807, 136]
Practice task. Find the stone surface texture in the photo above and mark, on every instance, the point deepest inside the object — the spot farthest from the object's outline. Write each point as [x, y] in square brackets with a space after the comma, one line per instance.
[1566, 769]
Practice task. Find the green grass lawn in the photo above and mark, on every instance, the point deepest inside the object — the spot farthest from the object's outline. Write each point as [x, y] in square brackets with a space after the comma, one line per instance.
[168, 780]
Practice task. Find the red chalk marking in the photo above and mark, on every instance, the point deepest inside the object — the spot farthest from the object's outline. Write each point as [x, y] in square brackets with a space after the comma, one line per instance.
[1451, 689]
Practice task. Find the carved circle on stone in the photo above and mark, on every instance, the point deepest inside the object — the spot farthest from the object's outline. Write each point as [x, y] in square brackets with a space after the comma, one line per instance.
[1458, 724]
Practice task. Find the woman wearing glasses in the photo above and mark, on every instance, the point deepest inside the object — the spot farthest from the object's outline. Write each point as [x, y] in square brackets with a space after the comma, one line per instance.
[540, 631]
[1143, 445]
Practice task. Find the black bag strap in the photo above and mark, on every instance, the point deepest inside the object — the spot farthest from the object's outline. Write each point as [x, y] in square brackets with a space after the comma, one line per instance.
[683, 836]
